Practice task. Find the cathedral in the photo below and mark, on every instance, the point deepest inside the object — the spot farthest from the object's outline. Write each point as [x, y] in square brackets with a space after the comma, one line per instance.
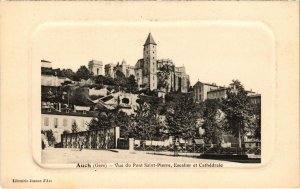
[153, 73]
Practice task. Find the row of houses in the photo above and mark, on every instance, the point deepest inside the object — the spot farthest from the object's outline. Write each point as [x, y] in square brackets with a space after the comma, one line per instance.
[202, 91]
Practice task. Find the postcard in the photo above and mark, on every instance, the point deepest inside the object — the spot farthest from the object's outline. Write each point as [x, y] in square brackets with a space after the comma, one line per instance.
[149, 94]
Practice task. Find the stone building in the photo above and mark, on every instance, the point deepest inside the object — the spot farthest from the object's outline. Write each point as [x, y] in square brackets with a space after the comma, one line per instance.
[201, 90]
[109, 70]
[60, 121]
[96, 67]
[49, 76]
[255, 99]
[161, 74]
[152, 73]
[220, 93]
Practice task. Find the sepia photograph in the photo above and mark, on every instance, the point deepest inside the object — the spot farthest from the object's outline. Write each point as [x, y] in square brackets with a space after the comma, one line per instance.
[149, 94]
[125, 95]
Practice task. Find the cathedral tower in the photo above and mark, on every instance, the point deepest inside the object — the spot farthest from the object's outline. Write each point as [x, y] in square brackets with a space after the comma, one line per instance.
[150, 63]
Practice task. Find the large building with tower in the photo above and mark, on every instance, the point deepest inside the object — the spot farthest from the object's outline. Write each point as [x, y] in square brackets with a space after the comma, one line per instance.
[152, 73]
[95, 67]
[159, 74]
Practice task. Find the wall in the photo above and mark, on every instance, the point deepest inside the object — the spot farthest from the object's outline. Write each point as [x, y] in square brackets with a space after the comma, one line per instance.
[217, 94]
[102, 92]
[49, 80]
[207, 88]
[81, 123]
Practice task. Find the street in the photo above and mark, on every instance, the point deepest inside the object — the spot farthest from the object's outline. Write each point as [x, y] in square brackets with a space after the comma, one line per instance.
[70, 156]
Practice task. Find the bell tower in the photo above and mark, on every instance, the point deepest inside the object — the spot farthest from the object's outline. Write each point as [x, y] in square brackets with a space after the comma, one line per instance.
[150, 63]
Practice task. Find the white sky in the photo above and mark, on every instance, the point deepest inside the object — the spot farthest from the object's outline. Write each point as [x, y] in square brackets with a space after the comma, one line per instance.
[214, 52]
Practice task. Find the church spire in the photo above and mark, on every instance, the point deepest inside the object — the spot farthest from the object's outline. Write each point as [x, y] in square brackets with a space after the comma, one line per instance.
[150, 40]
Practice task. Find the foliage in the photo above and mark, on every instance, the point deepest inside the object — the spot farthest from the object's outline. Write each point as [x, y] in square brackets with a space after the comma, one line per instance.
[213, 122]
[237, 108]
[68, 73]
[83, 73]
[126, 124]
[50, 137]
[111, 118]
[147, 125]
[131, 85]
[105, 119]
[75, 128]
[100, 79]
[47, 71]
[51, 94]
[182, 119]
[120, 79]
[163, 77]
[66, 132]
[80, 96]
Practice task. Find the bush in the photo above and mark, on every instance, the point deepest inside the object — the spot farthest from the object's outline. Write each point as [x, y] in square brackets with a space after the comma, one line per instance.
[66, 132]
[50, 137]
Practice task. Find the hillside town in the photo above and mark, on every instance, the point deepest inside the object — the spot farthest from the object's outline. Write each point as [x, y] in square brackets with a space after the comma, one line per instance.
[150, 100]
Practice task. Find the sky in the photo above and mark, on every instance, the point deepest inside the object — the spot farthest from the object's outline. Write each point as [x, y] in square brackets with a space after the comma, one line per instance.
[216, 52]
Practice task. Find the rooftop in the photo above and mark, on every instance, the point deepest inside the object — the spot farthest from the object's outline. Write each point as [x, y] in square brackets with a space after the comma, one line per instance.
[45, 61]
[71, 113]
[150, 40]
[209, 84]
[219, 89]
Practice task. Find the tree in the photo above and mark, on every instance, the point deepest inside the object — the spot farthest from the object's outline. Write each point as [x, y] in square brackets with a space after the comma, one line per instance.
[147, 124]
[75, 127]
[126, 124]
[163, 77]
[212, 123]
[100, 79]
[132, 85]
[68, 73]
[182, 119]
[80, 96]
[50, 137]
[237, 109]
[83, 73]
[120, 79]
[104, 120]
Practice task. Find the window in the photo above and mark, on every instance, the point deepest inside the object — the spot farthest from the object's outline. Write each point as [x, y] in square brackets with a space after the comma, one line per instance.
[46, 121]
[55, 122]
[125, 100]
[65, 122]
